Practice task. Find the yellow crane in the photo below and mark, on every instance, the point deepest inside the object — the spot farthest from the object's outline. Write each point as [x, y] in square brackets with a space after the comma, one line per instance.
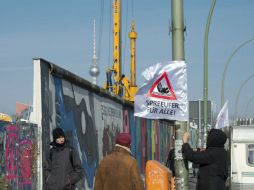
[118, 83]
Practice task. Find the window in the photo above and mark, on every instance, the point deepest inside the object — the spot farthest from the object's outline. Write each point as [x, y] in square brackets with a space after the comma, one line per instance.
[250, 153]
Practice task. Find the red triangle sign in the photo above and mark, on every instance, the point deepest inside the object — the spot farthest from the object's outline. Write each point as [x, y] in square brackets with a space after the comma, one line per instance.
[162, 88]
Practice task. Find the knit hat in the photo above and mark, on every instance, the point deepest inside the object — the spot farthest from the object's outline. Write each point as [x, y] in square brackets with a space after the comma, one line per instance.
[58, 132]
[123, 139]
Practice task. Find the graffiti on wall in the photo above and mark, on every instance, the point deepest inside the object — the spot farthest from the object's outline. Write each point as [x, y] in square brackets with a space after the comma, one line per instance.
[150, 138]
[90, 122]
[18, 156]
[92, 119]
[72, 110]
[26, 162]
[11, 152]
[111, 127]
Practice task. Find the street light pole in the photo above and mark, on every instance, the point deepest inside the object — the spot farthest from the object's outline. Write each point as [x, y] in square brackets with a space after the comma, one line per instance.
[238, 95]
[226, 67]
[248, 104]
[206, 71]
[181, 178]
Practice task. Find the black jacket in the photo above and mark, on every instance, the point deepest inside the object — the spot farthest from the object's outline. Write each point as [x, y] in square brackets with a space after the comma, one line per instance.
[171, 161]
[213, 162]
[63, 169]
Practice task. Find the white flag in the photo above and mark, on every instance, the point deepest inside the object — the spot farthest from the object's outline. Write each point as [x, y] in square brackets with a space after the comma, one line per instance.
[222, 118]
[164, 94]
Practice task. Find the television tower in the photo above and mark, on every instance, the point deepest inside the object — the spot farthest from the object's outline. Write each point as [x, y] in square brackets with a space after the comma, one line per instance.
[94, 69]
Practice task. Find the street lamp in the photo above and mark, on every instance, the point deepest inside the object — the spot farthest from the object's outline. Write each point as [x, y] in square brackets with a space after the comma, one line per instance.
[248, 104]
[238, 94]
[206, 69]
[226, 67]
[178, 55]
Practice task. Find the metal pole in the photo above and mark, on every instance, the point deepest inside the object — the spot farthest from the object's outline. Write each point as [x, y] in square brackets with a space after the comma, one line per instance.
[181, 178]
[238, 95]
[199, 124]
[248, 104]
[226, 67]
[177, 30]
[206, 69]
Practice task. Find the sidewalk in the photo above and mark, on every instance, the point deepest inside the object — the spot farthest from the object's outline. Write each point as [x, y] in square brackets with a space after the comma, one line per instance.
[192, 182]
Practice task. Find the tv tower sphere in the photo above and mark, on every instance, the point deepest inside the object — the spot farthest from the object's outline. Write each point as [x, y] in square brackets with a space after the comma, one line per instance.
[94, 70]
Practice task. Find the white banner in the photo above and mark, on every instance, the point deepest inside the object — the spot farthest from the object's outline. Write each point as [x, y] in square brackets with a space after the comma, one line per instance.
[164, 94]
[222, 118]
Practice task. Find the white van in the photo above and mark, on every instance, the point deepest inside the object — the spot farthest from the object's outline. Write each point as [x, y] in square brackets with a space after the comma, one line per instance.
[242, 158]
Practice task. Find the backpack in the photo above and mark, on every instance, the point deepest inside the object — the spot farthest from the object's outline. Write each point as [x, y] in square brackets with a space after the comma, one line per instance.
[70, 155]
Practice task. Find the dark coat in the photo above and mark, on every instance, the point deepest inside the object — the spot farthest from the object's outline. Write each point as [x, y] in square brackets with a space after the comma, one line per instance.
[118, 171]
[63, 169]
[171, 161]
[213, 162]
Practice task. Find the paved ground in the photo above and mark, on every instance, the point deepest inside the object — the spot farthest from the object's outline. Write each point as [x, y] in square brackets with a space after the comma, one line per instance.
[192, 183]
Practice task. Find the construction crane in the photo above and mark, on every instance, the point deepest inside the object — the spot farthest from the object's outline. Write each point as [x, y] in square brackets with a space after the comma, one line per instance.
[117, 82]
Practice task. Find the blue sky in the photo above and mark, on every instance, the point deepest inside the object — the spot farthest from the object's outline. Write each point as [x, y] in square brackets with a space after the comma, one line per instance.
[60, 31]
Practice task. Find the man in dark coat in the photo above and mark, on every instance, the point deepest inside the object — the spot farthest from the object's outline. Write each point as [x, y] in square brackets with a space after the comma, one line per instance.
[119, 170]
[213, 161]
[62, 169]
[171, 161]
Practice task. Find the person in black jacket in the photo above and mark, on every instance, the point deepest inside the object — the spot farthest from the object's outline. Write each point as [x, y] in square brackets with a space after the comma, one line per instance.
[171, 161]
[213, 161]
[62, 169]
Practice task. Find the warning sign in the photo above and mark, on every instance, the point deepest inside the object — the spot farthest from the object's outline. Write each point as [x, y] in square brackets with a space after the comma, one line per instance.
[162, 88]
[164, 95]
